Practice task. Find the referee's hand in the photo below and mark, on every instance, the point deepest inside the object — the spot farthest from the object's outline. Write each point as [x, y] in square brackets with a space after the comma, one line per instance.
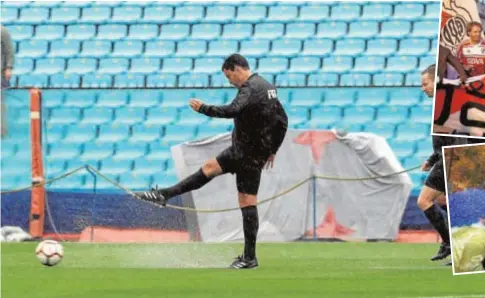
[195, 104]
[270, 161]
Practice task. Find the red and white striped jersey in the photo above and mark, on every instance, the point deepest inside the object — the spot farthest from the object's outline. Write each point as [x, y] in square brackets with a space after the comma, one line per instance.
[472, 57]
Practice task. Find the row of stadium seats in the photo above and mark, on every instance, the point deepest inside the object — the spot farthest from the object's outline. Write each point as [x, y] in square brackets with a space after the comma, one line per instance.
[163, 13]
[234, 31]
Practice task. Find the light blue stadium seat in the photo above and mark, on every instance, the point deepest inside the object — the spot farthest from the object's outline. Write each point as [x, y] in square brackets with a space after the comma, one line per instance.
[191, 80]
[142, 133]
[402, 148]
[381, 47]
[300, 30]
[385, 130]
[219, 80]
[49, 32]
[64, 15]
[145, 65]
[426, 29]
[345, 12]
[339, 97]
[61, 80]
[372, 97]
[176, 98]
[314, 12]
[222, 48]
[270, 77]
[220, 13]
[20, 32]
[144, 98]
[323, 79]
[421, 114]
[282, 13]
[52, 98]
[55, 168]
[343, 125]
[401, 64]
[161, 116]
[174, 31]
[55, 133]
[33, 15]
[32, 48]
[432, 11]
[434, 47]
[8, 150]
[369, 64]
[96, 116]
[405, 96]
[161, 80]
[237, 31]
[126, 14]
[297, 115]
[388, 79]
[64, 48]
[95, 14]
[395, 29]
[325, 116]
[286, 47]
[110, 133]
[337, 64]
[424, 149]
[413, 46]
[255, 47]
[272, 65]
[134, 181]
[112, 99]
[359, 114]
[159, 48]
[361, 29]
[413, 79]
[142, 31]
[188, 14]
[23, 66]
[76, 181]
[409, 11]
[332, 30]
[317, 47]
[412, 161]
[208, 65]
[176, 65]
[64, 116]
[115, 166]
[191, 48]
[304, 65]
[212, 96]
[81, 32]
[177, 134]
[64, 151]
[392, 115]
[9, 15]
[376, 11]
[113, 65]
[128, 80]
[251, 14]
[349, 46]
[158, 14]
[417, 179]
[144, 167]
[426, 61]
[97, 81]
[268, 30]
[79, 134]
[38, 81]
[206, 31]
[205, 131]
[81, 65]
[128, 48]
[413, 131]
[355, 79]
[89, 3]
[187, 117]
[17, 4]
[112, 31]
[306, 98]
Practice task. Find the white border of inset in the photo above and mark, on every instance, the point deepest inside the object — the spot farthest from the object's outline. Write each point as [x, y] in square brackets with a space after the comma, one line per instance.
[448, 204]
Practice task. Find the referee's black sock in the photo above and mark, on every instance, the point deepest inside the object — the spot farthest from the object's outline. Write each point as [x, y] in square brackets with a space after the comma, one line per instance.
[438, 222]
[194, 181]
[250, 226]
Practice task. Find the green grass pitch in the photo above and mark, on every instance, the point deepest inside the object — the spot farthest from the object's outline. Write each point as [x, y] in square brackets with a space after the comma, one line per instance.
[301, 269]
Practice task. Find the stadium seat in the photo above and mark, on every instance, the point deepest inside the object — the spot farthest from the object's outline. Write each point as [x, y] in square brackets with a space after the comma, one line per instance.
[219, 80]
[187, 117]
[55, 168]
[49, 32]
[61, 80]
[159, 48]
[177, 134]
[297, 115]
[142, 31]
[337, 64]
[349, 46]
[145, 65]
[359, 114]
[21, 32]
[79, 134]
[97, 81]
[129, 116]
[206, 31]
[161, 116]
[332, 30]
[369, 64]
[409, 11]
[285, 47]
[95, 14]
[392, 115]
[64, 116]
[300, 30]
[64, 15]
[272, 65]
[220, 14]
[413, 79]
[385, 130]
[191, 48]
[64, 48]
[282, 13]
[361, 29]
[413, 46]
[425, 29]
[52, 98]
[128, 49]
[160, 81]
[157, 14]
[306, 98]
[317, 47]
[81, 65]
[113, 65]
[404, 97]
[339, 97]
[126, 14]
[376, 11]
[115, 166]
[413, 131]
[38, 81]
[9, 15]
[395, 29]
[176, 65]
[251, 14]
[135, 181]
[206, 131]
[193, 80]
[142, 133]
[345, 12]
[355, 79]
[426, 61]
[112, 98]
[157, 151]
[222, 48]
[81, 32]
[143, 166]
[401, 64]
[314, 13]
[412, 161]
[32, 48]
[188, 14]
[321, 117]
[402, 148]
[174, 32]
[31, 15]
[212, 96]
[304, 65]
[23, 66]
[128, 80]
[424, 149]
[421, 114]
[381, 47]
[388, 79]
[208, 65]
[110, 133]
[269, 30]
[144, 98]
[176, 98]
[432, 11]
[323, 79]
[96, 116]
[112, 31]
[254, 47]
[64, 151]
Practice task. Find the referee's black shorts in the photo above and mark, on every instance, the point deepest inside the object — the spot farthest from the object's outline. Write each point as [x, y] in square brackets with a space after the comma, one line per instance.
[436, 177]
[246, 166]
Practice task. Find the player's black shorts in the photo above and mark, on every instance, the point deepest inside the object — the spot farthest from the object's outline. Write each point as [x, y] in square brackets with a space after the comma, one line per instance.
[246, 166]
[436, 177]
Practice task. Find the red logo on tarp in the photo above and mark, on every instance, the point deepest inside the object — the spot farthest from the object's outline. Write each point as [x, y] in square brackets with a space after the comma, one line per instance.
[317, 140]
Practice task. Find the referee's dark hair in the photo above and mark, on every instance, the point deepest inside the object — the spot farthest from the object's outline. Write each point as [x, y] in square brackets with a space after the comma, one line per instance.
[235, 60]
[430, 70]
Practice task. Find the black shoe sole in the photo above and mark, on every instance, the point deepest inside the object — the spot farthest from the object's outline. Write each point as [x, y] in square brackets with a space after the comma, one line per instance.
[440, 257]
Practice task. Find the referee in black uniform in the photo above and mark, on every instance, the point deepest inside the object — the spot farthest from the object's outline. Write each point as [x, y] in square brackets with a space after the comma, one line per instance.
[260, 125]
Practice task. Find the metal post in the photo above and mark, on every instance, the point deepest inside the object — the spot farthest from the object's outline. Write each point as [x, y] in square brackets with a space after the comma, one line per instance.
[314, 188]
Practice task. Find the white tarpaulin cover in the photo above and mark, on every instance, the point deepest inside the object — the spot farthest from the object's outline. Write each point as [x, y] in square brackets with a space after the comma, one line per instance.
[352, 210]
